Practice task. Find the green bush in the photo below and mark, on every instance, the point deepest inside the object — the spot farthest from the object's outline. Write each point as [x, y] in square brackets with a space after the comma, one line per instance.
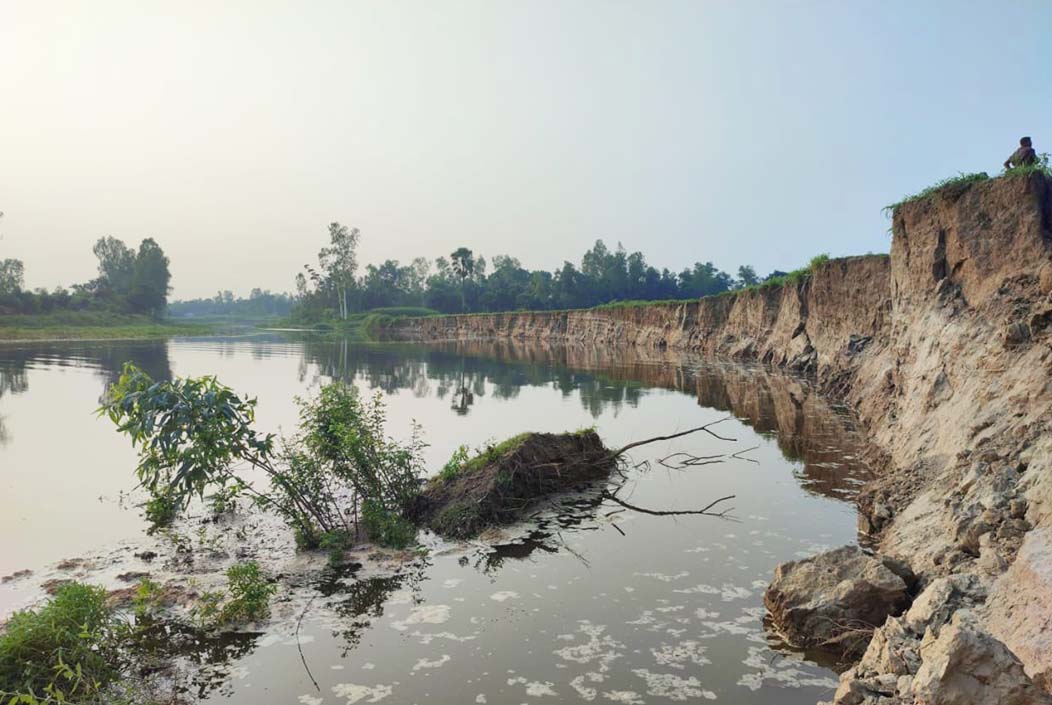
[250, 590]
[195, 435]
[64, 651]
[386, 527]
[246, 598]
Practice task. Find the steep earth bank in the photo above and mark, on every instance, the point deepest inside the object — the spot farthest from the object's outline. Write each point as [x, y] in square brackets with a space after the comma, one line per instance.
[944, 350]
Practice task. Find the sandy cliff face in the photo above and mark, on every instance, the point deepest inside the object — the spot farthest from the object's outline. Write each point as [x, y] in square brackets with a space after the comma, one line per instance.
[944, 349]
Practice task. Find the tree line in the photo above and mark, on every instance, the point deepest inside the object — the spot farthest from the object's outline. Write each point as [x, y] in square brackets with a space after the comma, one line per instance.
[261, 303]
[465, 282]
[129, 281]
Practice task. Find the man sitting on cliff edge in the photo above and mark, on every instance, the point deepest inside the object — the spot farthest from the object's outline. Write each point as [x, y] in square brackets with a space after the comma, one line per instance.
[1024, 156]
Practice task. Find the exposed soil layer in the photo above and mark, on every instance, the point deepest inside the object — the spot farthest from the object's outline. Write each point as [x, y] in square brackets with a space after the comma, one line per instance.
[499, 486]
[944, 351]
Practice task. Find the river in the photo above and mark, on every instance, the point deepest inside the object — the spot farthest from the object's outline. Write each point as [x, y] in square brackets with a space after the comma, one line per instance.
[584, 602]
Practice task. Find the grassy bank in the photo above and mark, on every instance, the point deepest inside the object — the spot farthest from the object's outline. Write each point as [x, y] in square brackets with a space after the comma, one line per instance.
[90, 325]
[358, 326]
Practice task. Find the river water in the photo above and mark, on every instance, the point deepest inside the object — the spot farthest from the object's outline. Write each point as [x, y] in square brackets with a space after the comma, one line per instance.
[584, 602]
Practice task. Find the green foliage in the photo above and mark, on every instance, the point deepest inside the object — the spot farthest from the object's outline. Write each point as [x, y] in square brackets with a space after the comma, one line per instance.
[455, 464]
[246, 598]
[462, 462]
[386, 527]
[12, 276]
[250, 591]
[161, 510]
[959, 181]
[455, 515]
[208, 608]
[460, 284]
[346, 435]
[188, 431]
[335, 543]
[64, 651]
[96, 325]
[147, 597]
[224, 499]
[194, 434]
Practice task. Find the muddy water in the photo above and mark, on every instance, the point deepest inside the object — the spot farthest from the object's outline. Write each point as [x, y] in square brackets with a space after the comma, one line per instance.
[583, 603]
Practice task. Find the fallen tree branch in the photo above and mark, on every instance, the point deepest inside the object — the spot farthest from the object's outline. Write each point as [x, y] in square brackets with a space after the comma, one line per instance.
[705, 428]
[671, 512]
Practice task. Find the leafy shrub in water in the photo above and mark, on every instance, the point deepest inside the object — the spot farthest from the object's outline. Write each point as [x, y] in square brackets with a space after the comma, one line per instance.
[64, 651]
[250, 592]
[194, 435]
[161, 510]
[385, 527]
[246, 598]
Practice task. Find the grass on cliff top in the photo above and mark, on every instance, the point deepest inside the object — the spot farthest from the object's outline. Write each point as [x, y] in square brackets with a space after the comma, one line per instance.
[963, 180]
[791, 278]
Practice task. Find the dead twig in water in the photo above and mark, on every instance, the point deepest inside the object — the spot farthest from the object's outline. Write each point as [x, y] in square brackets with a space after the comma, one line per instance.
[299, 623]
[672, 512]
[704, 428]
[740, 453]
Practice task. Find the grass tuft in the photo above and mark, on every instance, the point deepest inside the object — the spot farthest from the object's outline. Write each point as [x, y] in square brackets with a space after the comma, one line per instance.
[961, 181]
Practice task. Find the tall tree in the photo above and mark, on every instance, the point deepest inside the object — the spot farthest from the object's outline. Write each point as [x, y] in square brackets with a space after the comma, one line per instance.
[116, 265]
[747, 275]
[12, 273]
[340, 261]
[150, 279]
[463, 264]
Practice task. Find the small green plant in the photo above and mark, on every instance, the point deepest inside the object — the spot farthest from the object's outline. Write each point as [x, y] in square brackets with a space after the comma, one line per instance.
[246, 598]
[224, 499]
[147, 597]
[62, 652]
[161, 510]
[455, 463]
[208, 608]
[250, 591]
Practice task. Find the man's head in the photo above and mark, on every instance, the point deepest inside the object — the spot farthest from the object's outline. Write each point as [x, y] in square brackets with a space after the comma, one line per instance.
[1024, 141]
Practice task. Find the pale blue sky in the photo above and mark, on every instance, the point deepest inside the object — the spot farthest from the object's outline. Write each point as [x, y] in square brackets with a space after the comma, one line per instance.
[737, 132]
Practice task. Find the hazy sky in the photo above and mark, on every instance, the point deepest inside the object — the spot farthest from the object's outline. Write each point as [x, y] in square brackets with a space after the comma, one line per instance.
[737, 132]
